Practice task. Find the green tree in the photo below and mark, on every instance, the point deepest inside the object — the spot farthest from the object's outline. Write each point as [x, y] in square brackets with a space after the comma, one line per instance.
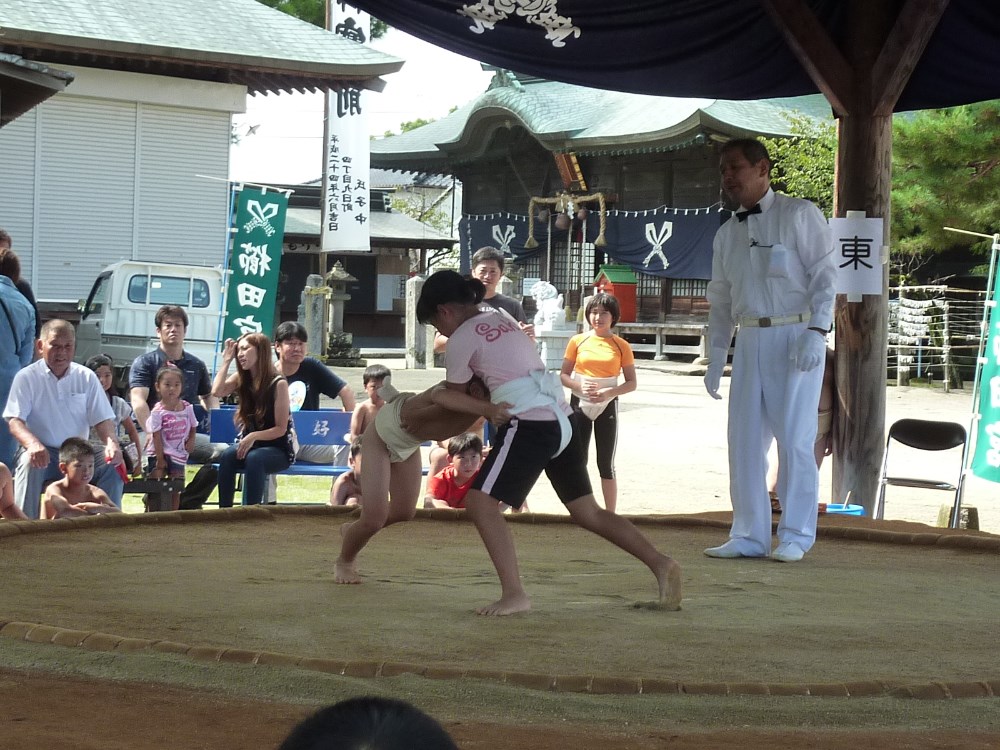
[946, 172]
[405, 127]
[803, 164]
[417, 208]
[314, 12]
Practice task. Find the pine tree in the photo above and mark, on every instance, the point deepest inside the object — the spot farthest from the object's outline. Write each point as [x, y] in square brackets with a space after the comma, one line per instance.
[946, 172]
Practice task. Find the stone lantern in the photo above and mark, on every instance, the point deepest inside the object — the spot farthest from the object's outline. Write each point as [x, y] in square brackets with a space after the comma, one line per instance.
[341, 351]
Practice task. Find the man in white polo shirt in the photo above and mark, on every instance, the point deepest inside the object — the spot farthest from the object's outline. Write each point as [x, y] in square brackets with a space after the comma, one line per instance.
[51, 400]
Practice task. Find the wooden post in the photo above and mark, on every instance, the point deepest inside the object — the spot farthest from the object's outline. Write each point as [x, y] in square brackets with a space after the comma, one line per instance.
[863, 183]
[862, 79]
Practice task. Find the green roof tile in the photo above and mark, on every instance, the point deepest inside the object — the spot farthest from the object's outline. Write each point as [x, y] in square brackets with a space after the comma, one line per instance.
[616, 274]
[566, 117]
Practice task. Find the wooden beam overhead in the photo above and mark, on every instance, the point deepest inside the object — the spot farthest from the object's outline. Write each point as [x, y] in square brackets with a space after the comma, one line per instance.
[902, 50]
[814, 48]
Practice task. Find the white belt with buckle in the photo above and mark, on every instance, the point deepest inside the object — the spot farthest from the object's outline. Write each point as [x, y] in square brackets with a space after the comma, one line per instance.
[776, 320]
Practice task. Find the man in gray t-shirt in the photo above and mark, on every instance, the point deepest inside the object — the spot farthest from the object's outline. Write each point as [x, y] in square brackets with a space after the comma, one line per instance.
[487, 267]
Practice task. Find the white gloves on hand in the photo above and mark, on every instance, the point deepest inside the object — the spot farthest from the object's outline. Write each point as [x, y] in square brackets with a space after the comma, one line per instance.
[713, 375]
[810, 350]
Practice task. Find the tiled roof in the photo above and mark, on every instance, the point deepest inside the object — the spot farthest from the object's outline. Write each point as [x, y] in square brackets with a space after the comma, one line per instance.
[201, 39]
[24, 84]
[567, 117]
[391, 178]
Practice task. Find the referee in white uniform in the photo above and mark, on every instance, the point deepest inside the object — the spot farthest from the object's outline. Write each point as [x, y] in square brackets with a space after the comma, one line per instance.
[773, 275]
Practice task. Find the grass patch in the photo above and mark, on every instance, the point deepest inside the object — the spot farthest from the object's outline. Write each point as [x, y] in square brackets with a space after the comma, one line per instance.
[291, 489]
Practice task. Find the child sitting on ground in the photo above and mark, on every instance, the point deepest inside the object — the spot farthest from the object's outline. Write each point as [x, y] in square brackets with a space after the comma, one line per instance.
[447, 488]
[172, 425]
[364, 414]
[346, 488]
[8, 508]
[73, 495]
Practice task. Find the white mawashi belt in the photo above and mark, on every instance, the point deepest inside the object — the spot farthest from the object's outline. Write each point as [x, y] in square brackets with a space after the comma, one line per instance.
[774, 320]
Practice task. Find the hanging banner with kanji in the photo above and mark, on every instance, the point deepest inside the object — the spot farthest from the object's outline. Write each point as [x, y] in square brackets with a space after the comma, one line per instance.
[255, 262]
[345, 202]
[986, 461]
[857, 244]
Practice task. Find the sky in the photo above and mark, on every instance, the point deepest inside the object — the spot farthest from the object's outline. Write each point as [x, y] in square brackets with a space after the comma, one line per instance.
[286, 145]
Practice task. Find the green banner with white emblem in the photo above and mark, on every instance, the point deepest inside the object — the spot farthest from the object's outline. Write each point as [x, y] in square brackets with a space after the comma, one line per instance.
[255, 262]
[986, 462]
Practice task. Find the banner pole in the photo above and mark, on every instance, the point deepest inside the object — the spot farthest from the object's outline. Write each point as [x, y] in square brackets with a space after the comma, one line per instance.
[232, 190]
[988, 304]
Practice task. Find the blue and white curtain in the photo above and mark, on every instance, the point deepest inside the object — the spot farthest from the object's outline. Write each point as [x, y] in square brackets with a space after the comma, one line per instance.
[674, 243]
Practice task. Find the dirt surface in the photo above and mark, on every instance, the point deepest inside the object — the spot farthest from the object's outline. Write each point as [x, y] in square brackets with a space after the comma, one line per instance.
[189, 633]
[69, 713]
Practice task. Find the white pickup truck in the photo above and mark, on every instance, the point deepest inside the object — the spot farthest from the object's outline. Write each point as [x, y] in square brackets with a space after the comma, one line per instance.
[118, 316]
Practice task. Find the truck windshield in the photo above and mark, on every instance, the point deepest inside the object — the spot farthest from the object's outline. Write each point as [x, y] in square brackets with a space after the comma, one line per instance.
[168, 290]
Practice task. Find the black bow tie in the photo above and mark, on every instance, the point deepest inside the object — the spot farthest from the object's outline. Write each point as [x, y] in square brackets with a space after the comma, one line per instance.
[742, 215]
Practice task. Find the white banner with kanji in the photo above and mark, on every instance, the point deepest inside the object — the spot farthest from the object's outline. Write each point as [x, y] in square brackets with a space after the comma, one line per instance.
[345, 202]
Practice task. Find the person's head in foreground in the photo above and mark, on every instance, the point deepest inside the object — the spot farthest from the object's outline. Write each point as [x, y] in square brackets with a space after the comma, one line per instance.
[369, 724]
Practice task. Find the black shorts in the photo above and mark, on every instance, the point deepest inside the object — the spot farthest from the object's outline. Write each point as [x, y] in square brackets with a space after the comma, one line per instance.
[522, 450]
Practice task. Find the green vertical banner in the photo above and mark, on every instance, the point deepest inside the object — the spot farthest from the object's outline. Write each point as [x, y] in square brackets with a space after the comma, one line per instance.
[255, 262]
[986, 462]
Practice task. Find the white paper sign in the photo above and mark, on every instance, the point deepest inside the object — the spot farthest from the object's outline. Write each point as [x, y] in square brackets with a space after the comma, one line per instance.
[857, 245]
[346, 211]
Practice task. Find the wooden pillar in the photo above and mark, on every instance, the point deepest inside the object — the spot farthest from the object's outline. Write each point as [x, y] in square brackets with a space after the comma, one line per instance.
[862, 77]
[863, 175]
[863, 183]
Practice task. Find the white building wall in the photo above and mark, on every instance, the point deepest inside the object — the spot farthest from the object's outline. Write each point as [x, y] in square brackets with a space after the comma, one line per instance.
[117, 167]
[85, 183]
[181, 211]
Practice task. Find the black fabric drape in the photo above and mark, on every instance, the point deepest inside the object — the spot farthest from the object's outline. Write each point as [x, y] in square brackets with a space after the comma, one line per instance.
[723, 49]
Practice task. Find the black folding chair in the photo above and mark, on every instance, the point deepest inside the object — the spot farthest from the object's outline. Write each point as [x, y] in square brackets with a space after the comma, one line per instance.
[924, 435]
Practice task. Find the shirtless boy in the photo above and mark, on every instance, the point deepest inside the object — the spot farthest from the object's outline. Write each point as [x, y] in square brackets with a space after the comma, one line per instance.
[346, 488]
[73, 495]
[364, 414]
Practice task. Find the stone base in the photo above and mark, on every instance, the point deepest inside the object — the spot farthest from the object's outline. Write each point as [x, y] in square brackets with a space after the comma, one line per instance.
[345, 362]
[341, 352]
[552, 346]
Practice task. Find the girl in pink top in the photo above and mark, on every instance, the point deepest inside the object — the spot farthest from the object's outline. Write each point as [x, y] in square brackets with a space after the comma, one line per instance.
[172, 425]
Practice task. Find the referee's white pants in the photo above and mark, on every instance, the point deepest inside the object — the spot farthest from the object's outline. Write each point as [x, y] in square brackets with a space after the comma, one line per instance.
[769, 397]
